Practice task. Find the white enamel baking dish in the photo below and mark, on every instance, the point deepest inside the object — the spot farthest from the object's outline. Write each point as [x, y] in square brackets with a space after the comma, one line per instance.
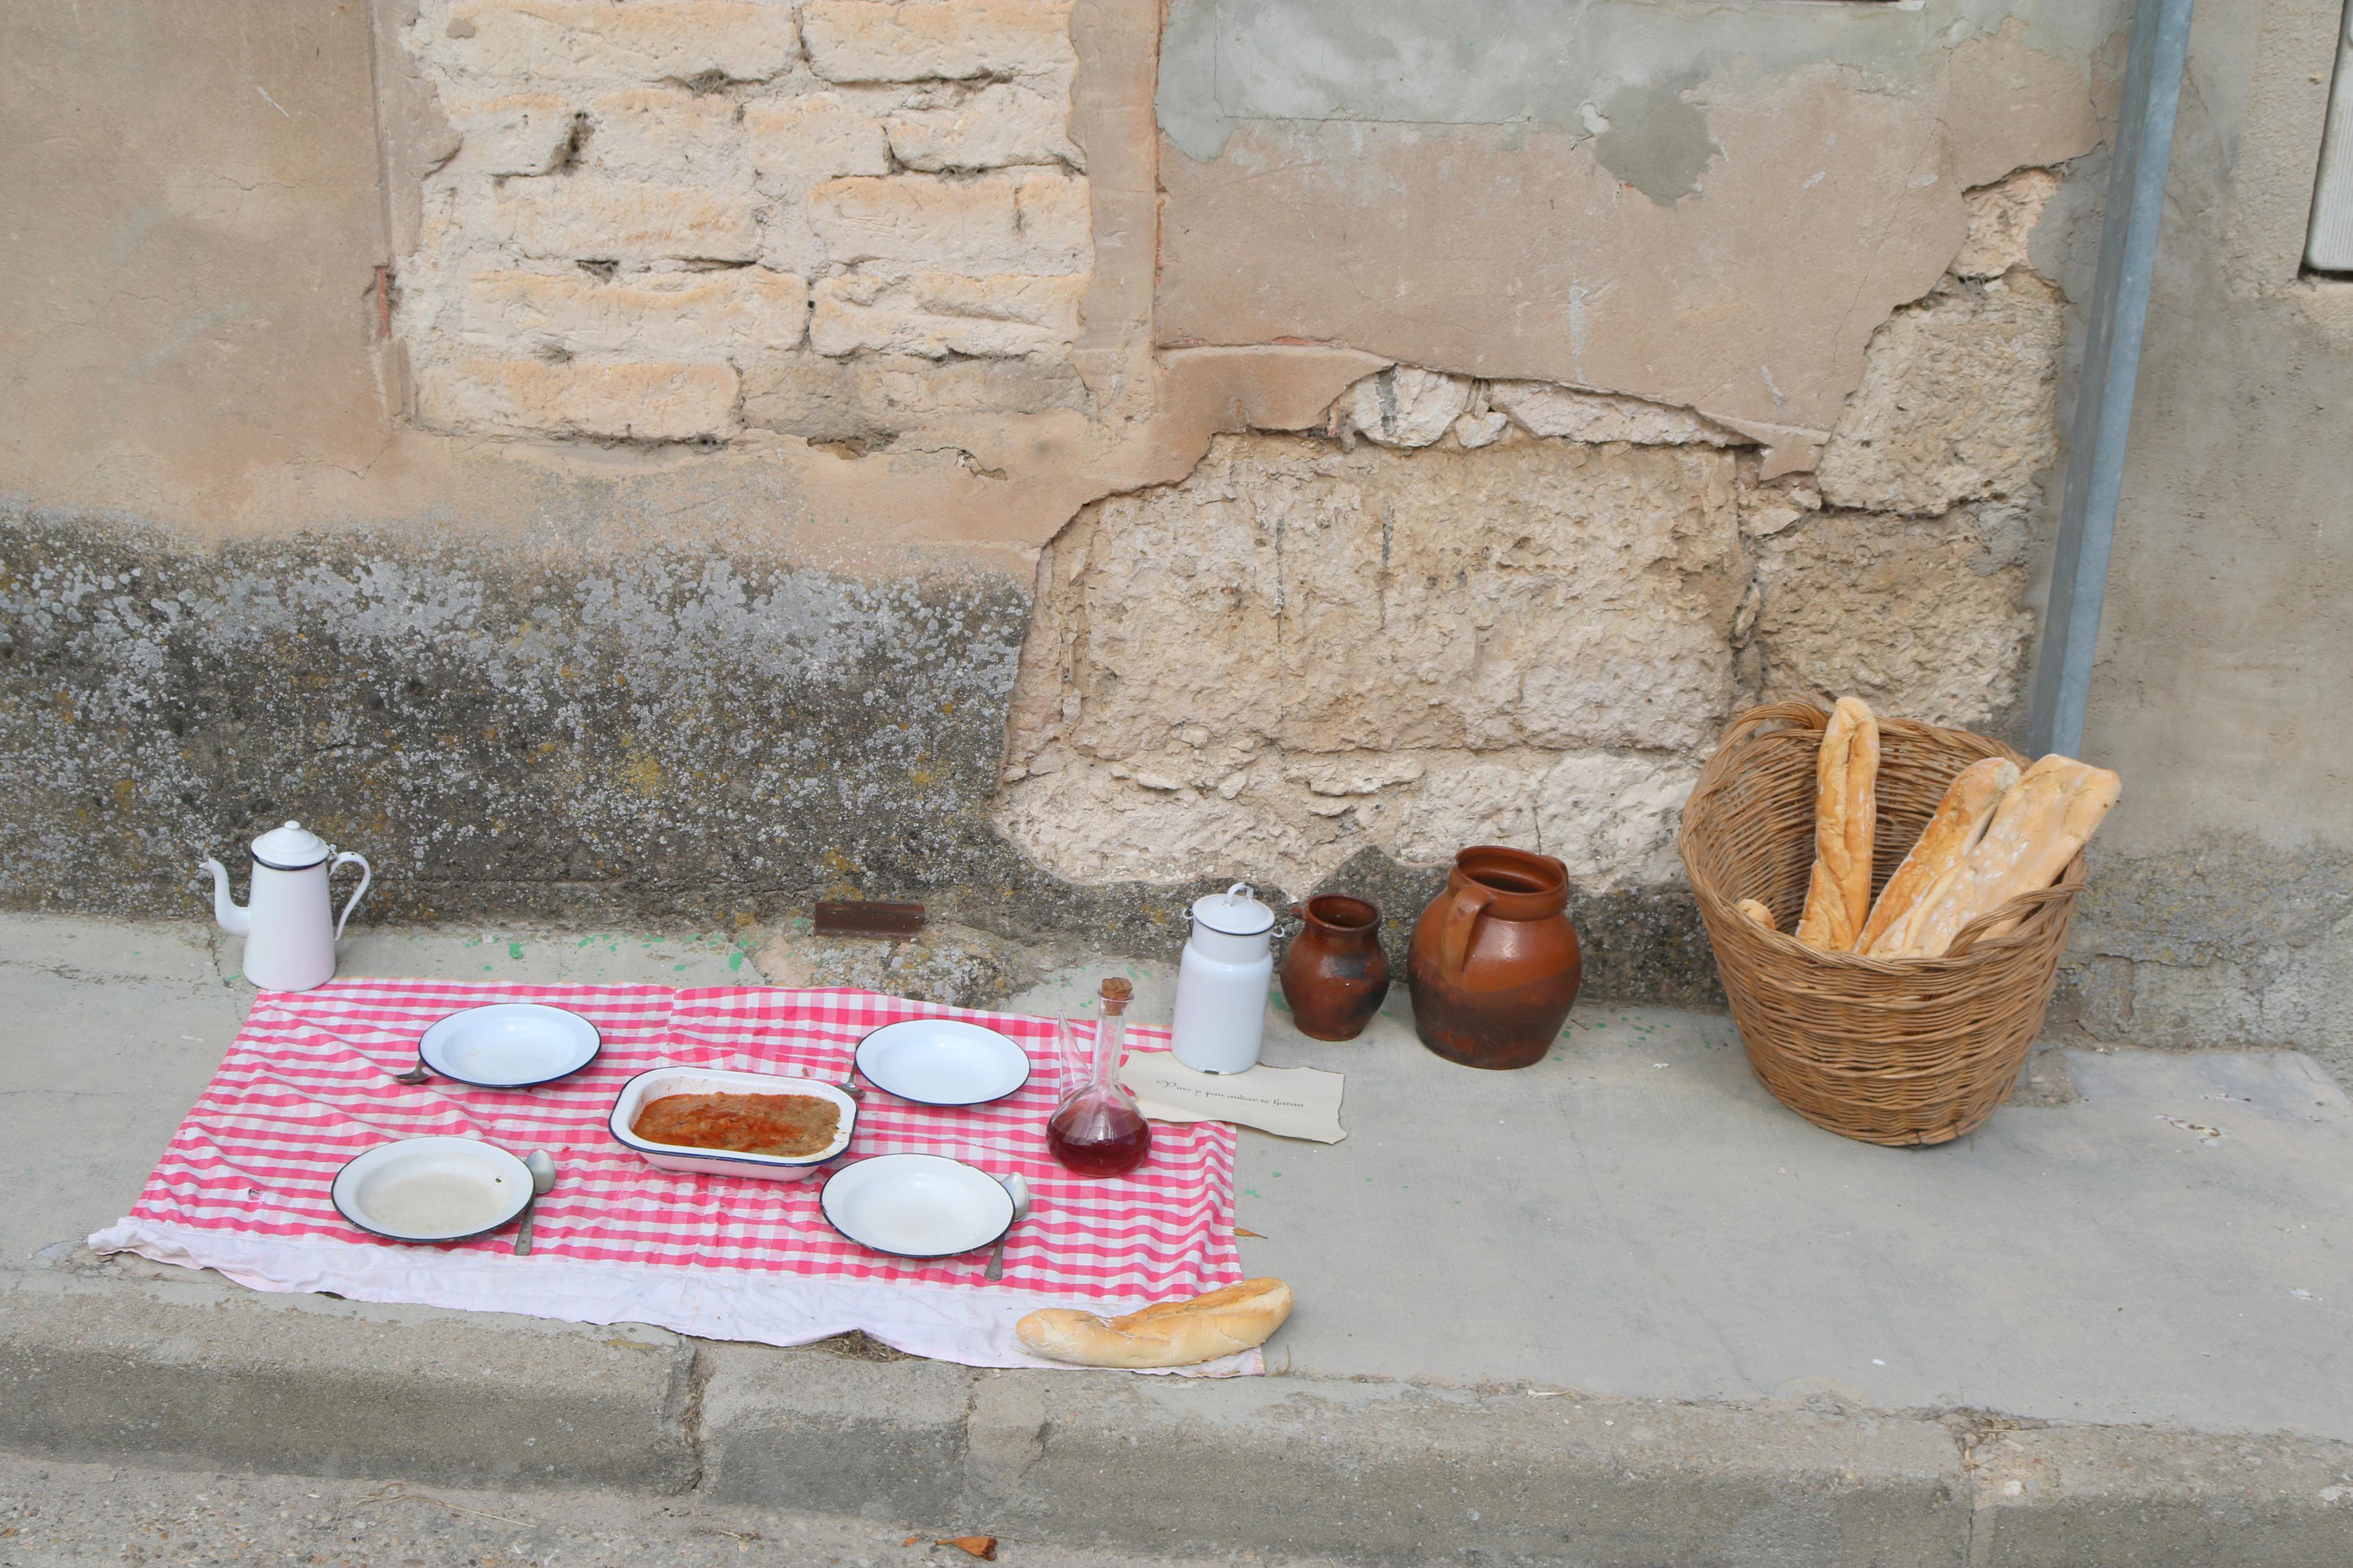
[659, 1083]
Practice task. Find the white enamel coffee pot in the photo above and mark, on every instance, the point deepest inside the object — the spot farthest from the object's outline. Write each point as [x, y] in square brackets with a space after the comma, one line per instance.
[287, 922]
[1221, 983]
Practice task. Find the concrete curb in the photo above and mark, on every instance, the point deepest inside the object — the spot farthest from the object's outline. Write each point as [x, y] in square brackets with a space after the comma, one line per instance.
[1363, 1469]
[199, 1376]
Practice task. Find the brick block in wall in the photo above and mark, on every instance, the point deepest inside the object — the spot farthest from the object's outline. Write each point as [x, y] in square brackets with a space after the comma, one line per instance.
[796, 142]
[538, 41]
[573, 217]
[686, 316]
[666, 135]
[1027, 221]
[616, 401]
[822, 399]
[994, 127]
[935, 314]
[515, 134]
[927, 40]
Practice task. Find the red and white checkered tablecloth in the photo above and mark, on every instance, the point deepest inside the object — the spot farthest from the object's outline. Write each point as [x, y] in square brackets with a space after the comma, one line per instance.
[243, 1186]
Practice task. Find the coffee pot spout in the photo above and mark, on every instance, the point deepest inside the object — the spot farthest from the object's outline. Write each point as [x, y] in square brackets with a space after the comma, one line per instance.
[233, 919]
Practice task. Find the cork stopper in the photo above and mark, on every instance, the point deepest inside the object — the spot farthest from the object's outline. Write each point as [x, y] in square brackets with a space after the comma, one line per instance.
[1117, 994]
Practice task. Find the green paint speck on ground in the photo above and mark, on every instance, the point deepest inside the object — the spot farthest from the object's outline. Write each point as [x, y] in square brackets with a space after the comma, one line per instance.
[514, 950]
[735, 960]
[487, 968]
[681, 966]
[1251, 1191]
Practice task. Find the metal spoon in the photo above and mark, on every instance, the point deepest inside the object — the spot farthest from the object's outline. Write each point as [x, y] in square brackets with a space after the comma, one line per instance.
[414, 1075]
[542, 1177]
[1020, 1191]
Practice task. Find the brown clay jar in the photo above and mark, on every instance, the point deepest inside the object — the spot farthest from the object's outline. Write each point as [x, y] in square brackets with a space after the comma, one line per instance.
[1495, 962]
[1335, 975]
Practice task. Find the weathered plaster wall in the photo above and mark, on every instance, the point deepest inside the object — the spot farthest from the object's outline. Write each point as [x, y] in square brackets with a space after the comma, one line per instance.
[1702, 204]
[675, 736]
[493, 731]
[1472, 611]
[219, 259]
[676, 415]
[2222, 913]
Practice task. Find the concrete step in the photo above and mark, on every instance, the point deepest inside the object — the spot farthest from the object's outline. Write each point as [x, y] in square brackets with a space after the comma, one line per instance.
[195, 1375]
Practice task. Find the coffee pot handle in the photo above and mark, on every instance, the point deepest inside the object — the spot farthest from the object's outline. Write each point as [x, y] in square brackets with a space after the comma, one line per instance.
[1469, 901]
[366, 875]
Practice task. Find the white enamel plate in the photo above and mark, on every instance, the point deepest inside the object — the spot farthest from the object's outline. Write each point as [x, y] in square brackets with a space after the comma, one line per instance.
[940, 1061]
[431, 1189]
[508, 1045]
[917, 1206]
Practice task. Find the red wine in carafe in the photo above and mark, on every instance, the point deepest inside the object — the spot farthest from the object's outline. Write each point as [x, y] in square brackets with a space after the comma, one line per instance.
[1095, 1139]
[1097, 1130]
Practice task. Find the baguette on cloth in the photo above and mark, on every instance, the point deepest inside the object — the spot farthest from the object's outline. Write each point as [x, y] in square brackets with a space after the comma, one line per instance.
[1167, 1334]
[1960, 822]
[2045, 818]
[1846, 771]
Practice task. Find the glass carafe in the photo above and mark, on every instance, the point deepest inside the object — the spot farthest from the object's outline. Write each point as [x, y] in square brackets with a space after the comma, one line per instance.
[1097, 1130]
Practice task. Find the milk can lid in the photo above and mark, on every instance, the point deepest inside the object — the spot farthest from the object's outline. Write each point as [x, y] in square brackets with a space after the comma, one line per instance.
[1234, 912]
[292, 847]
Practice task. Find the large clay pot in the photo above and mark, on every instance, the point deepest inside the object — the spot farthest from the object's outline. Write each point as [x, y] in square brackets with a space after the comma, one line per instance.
[1494, 961]
[1335, 975]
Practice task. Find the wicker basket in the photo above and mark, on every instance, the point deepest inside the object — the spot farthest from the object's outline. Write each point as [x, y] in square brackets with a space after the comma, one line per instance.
[1915, 1051]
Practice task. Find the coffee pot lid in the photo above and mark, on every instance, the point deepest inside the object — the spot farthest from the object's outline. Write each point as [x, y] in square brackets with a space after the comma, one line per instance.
[292, 847]
[1234, 912]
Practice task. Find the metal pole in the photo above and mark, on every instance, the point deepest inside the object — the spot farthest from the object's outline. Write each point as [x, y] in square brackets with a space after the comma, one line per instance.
[2104, 399]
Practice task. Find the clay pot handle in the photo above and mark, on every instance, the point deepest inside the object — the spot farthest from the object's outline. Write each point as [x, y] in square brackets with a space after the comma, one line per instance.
[1471, 902]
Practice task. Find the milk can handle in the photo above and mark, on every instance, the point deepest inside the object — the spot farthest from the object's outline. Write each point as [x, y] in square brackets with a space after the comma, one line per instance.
[366, 875]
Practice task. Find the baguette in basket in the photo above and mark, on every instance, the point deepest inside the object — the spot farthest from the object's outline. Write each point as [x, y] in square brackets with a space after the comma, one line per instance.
[2042, 821]
[1960, 822]
[1997, 833]
[1845, 820]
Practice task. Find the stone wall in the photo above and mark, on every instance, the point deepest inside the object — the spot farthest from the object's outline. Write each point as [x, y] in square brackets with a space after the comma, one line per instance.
[1515, 612]
[670, 222]
[703, 738]
[1038, 456]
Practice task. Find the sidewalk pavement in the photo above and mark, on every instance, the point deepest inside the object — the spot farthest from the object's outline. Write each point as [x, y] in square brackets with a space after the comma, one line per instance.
[1619, 1306]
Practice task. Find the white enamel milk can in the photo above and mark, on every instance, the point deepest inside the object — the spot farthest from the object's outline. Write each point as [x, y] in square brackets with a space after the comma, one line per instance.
[1222, 980]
